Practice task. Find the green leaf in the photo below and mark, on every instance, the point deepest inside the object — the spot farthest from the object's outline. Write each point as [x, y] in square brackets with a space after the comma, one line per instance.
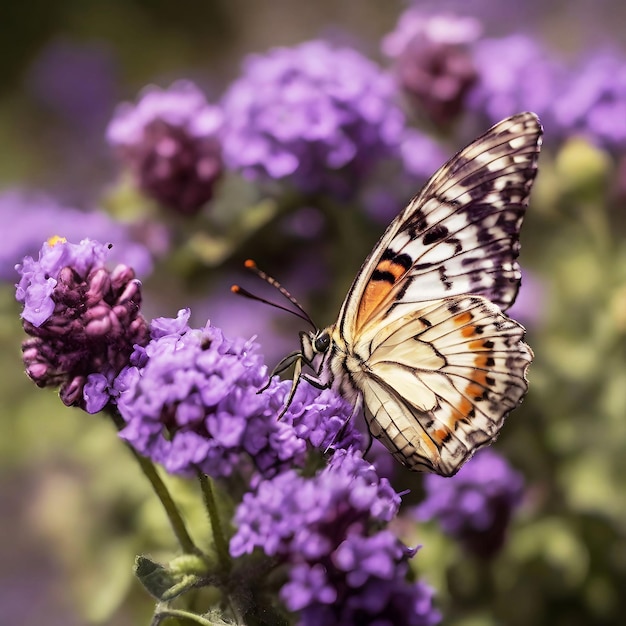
[163, 583]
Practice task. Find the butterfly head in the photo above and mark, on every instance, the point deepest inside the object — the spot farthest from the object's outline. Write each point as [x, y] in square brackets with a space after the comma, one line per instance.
[314, 343]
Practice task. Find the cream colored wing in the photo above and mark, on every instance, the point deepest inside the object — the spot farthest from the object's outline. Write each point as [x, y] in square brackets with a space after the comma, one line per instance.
[439, 382]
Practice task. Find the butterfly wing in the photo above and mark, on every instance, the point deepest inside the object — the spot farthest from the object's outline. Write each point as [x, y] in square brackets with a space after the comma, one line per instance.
[440, 382]
[421, 333]
[459, 235]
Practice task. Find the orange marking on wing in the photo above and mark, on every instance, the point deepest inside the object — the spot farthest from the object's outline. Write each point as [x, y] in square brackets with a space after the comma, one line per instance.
[460, 412]
[468, 331]
[440, 434]
[374, 293]
[482, 360]
[478, 344]
[378, 288]
[464, 408]
[480, 377]
[474, 390]
[388, 265]
[430, 445]
[463, 318]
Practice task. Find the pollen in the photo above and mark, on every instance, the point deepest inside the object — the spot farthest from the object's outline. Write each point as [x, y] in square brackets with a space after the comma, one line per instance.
[55, 239]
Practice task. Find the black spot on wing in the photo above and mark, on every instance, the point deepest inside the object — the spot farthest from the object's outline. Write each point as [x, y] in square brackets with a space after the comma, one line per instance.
[435, 234]
[386, 277]
[397, 258]
[447, 283]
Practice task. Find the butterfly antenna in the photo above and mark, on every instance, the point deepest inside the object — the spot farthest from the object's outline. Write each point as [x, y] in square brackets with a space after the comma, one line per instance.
[270, 280]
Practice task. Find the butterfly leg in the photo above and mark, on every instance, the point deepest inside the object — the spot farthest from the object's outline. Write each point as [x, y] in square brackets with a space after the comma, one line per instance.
[342, 431]
[284, 364]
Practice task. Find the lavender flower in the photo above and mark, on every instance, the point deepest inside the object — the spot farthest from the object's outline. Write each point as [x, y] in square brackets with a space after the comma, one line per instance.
[325, 529]
[318, 116]
[190, 402]
[433, 62]
[475, 505]
[170, 142]
[421, 155]
[515, 74]
[35, 217]
[594, 101]
[83, 318]
[78, 81]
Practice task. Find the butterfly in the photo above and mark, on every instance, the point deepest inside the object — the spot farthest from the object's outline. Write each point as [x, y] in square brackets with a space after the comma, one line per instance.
[422, 342]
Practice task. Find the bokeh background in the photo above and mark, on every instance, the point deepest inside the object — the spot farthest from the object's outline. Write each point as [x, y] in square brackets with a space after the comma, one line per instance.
[72, 516]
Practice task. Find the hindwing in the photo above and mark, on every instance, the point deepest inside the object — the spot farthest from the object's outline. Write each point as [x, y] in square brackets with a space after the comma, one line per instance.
[439, 382]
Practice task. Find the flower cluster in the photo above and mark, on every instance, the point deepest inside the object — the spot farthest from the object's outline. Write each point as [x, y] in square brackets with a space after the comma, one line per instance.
[433, 62]
[82, 318]
[516, 74]
[594, 101]
[170, 142]
[191, 401]
[316, 115]
[475, 505]
[326, 530]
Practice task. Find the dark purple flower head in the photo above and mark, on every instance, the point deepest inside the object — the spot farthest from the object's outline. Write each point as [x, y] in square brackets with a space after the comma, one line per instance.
[475, 505]
[433, 63]
[315, 115]
[83, 319]
[170, 142]
[190, 402]
[515, 74]
[594, 101]
[35, 217]
[326, 530]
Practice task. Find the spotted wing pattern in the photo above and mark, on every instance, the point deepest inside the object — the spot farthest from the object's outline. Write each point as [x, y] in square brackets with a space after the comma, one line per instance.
[459, 235]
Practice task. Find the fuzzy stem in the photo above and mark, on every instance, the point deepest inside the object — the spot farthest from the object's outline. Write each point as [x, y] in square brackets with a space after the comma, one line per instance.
[171, 510]
[192, 618]
[219, 538]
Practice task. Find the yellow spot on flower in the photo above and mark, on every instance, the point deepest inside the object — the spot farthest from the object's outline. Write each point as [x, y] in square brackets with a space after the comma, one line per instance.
[55, 239]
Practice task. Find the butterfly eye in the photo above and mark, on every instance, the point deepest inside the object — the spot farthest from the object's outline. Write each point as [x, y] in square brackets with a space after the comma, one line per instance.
[321, 342]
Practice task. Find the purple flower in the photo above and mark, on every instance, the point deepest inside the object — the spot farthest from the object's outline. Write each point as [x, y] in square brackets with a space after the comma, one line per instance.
[475, 505]
[191, 402]
[433, 63]
[594, 101]
[83, 319]
[78, 81]
[515, 74]
[292, 515]
[315, 115]
[170, 142]
[34, 218]
[421, 155]
[342, 569]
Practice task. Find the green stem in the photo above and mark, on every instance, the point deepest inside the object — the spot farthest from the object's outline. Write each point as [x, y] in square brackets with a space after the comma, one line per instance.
[219, 538]
[184, 615]
[171, 510]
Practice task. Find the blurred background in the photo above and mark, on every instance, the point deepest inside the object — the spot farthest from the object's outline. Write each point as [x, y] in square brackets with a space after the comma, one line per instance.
[72, 520]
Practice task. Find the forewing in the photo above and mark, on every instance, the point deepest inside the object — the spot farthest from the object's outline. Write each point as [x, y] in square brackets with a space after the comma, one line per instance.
[440, 382]
[459, 235]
